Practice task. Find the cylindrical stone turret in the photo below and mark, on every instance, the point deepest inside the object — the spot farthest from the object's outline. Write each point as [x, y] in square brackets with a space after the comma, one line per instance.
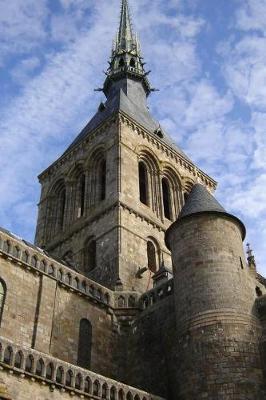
[217, 326]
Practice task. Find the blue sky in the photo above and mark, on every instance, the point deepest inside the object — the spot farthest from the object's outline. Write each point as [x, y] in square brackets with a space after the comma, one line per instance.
[208, 58]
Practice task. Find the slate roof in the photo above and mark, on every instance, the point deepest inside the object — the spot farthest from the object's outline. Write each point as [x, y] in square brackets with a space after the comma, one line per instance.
[200, 200]
[140, 114]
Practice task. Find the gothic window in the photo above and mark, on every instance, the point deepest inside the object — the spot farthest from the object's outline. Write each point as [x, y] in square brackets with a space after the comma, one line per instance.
[143, 183]
[2, 298]
[90, 260]
[167, 202]
[81, 195]
[85, 343]
[152, 255]
[102, 180]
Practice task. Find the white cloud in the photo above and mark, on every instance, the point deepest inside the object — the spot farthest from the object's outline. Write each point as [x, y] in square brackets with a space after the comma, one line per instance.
[251, 15]
[22, 25]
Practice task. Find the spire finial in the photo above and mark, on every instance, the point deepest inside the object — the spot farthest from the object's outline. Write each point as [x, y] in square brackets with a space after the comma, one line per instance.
[125, 34]
[126, 61]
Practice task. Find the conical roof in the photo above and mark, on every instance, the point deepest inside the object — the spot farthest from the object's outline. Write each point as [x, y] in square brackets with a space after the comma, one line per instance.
[200, 200]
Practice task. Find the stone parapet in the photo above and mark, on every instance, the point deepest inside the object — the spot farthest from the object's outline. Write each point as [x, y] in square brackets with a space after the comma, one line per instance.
[62, 376]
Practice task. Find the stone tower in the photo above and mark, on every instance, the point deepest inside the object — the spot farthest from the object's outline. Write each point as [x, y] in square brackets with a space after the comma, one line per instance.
[218, 329]
[107, 202]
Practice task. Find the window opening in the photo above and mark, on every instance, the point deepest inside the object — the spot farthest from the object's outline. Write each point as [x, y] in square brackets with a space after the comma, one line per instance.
[166, 198]
[85, 343]
[143, 183]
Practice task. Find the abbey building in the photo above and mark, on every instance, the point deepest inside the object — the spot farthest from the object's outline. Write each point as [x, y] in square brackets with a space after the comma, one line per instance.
[137, 286]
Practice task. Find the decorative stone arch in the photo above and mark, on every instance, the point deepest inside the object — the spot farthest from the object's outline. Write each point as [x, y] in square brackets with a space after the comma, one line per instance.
[29, 363]
[78, 381]
[148, 171]
[19, 360]
[60, 374]
[171, 193]
[50, 371]
[9, 355]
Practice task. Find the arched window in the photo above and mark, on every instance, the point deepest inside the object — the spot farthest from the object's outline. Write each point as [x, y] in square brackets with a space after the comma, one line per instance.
[121, 395]
[85, 342]
[167, 201]
[152, 255]
[61, 207]
[81, 195]
[143, 184]
[102, 180]
[132, 63]
[121, 63]
[90, 255]
[2, 298]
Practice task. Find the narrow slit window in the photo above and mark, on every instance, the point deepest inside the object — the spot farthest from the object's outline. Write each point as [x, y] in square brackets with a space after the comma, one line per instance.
[143, 183]
[90, 255]
[103, 180]
[85, 343]
[82, 195]
[152, 258]
[62, 206]
[166, 199]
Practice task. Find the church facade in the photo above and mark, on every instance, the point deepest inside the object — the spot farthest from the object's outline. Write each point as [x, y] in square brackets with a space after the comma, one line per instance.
[137, 286]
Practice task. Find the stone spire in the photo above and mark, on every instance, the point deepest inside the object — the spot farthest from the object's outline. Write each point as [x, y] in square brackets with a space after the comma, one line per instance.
[126, 61]
[125, 38]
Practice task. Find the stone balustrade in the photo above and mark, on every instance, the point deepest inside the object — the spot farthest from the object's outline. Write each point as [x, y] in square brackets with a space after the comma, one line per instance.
[59, 375]
[33, 258]
[156, 294]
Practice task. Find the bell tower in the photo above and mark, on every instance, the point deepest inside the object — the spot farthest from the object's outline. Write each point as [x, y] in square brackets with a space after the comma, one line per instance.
[107, 201]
